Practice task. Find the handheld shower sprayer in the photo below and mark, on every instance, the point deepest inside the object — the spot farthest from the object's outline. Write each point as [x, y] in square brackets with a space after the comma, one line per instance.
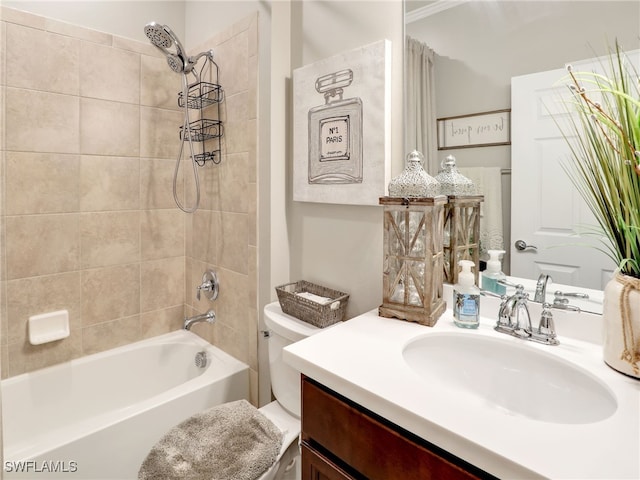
[163, 38]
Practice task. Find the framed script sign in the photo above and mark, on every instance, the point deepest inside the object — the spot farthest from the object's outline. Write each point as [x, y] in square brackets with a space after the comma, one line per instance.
[475, 130]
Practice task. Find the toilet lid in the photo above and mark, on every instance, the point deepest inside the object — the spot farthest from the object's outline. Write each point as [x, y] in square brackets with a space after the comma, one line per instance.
[287, 326]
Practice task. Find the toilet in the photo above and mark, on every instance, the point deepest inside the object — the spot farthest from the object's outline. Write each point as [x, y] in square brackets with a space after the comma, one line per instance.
[284, 411]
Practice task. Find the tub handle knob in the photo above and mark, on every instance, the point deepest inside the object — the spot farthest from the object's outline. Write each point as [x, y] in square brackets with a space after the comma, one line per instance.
[209, 285]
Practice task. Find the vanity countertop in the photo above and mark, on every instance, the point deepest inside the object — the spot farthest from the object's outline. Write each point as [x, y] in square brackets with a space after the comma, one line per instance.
[362, 359]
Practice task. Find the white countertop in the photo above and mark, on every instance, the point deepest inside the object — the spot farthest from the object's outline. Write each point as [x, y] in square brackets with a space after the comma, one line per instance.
[362, 360]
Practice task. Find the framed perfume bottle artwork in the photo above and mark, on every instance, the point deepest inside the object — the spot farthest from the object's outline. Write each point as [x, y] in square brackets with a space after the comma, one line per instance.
[342, 127]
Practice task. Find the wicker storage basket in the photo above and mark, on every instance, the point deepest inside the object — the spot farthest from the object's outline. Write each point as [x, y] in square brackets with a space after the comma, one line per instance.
[318, 314]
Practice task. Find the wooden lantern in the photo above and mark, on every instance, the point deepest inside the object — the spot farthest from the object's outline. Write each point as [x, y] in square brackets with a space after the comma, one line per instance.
[413, 259]
[462, 234]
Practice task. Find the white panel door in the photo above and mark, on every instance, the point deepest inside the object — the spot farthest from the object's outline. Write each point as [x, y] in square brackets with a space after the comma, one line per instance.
[547, 212]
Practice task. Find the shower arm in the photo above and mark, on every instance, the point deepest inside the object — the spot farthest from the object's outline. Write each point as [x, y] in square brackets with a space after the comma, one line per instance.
[192, 61]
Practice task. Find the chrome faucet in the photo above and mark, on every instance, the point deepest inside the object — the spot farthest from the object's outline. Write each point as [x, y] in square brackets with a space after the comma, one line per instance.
[513, 316]
[541, 288]
[514, 319]
[208, 317]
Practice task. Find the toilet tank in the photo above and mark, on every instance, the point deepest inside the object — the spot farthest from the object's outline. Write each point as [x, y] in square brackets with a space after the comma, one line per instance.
[285, 330]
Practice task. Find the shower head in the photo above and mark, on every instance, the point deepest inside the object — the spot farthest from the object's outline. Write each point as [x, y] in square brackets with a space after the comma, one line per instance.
[162, 37]
[176, 63]
[158, 35]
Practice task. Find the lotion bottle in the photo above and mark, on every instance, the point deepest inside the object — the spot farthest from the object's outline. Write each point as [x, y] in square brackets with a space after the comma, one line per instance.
[466, 298]
[493, 275]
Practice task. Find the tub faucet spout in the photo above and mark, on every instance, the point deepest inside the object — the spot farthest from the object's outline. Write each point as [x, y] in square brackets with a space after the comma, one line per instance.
[208, 317]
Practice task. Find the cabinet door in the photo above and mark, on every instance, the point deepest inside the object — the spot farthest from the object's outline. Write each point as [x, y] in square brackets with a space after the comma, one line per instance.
[353, 438]
[316, 466]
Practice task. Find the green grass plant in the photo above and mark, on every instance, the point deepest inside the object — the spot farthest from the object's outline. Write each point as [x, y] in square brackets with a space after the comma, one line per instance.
[603, 134]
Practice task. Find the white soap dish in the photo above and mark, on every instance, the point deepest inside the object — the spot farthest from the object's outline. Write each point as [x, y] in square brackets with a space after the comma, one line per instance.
[48, 327]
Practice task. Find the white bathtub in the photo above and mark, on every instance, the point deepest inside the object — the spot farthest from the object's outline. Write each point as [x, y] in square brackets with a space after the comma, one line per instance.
[98, 416]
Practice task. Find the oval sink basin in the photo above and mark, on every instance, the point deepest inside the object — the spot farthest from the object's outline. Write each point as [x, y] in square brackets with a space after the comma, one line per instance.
[513, 377]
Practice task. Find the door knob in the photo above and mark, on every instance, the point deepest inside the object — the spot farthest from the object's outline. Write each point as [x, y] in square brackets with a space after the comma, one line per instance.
[521, 246]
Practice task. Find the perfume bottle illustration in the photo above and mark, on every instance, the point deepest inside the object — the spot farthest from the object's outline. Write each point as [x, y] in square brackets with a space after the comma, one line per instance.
[335, 133]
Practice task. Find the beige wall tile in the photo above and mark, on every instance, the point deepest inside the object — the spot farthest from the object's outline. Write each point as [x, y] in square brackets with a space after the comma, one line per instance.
[252, 88]
[236, 123]
[104, 336]
[159, 133]
[3, 56]
[41, 121]
[162, 234]
[80, 33]
[42, 60]
[252, 200]
[110, 293]
[253, 335]
[252, 288]
[209, 179]
[252, 149]
[159, 85]
[4, 323]
[4, 367]
[234, 55]
[156, 183]
[43, 294]
[109, 73]
[253, 388]
[231, 341]
[231, 305]
[114, 294]
[41, 244]
[162, 284]
[145, 48]
[232, 242]
[11, 15]
[109, 128]
[234, 194]
[24, 357]
[109, 238]
[189, 292]
[109, 183]
[162, 321]
[41, 183]
[204, 236]
[252, 34]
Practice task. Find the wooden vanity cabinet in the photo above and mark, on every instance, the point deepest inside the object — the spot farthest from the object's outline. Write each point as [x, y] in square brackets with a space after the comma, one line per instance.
[341, 440]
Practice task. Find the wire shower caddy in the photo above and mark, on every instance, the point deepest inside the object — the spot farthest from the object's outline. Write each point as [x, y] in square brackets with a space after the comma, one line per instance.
[201, 95]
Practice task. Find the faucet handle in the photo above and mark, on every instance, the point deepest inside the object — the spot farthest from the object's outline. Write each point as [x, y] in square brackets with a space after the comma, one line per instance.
[209, 285]
[546, 331]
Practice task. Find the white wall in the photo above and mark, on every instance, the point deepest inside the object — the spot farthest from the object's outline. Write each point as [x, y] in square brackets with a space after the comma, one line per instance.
[340, 246]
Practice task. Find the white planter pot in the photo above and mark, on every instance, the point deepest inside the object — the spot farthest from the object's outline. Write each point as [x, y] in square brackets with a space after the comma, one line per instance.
[621, 324]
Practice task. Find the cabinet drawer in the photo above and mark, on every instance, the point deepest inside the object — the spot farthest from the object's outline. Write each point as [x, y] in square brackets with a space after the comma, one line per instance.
[375, 449]
[316, 466]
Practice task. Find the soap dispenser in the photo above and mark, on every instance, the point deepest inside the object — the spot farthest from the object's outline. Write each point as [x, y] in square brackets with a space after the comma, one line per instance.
[466, 297]
[493, 275]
